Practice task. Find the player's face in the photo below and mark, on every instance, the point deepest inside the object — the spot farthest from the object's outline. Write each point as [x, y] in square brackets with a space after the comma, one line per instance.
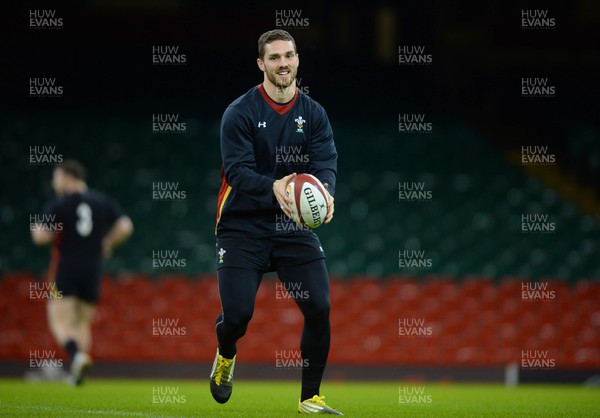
[58, 181]
[280, 63]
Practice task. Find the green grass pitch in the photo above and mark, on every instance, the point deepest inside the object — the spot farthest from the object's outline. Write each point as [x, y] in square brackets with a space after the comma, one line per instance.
[186, 398]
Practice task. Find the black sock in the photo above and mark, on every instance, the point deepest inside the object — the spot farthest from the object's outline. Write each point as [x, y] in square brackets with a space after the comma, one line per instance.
[228, 354]
[71, 349]
[310, 391]
[314, 348]
[227, 346]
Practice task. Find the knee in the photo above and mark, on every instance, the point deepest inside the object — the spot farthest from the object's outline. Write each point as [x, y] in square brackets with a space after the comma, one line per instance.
[317, 311]
[237, 319]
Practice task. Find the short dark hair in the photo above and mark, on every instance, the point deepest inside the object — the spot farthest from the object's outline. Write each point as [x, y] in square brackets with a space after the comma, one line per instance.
[73, 168]
[273, 35]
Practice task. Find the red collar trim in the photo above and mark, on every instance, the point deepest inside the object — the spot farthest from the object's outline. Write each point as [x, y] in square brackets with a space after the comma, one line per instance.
[282, 109]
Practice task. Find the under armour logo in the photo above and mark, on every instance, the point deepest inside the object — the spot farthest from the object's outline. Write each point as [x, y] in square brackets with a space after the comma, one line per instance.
[262, 124]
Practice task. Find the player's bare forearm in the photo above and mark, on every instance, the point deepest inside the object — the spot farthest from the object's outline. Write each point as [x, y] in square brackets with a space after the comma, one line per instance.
[330, 205]
[121, 230]
[279, 190]
[40, 237]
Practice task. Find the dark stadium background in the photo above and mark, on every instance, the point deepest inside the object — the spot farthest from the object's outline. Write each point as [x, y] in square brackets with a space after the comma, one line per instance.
[470, 229]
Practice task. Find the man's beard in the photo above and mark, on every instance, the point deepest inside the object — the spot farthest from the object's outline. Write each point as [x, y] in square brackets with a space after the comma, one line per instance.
[282, 82]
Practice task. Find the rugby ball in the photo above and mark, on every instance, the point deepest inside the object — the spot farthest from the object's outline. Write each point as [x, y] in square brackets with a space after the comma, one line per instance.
[309, 199]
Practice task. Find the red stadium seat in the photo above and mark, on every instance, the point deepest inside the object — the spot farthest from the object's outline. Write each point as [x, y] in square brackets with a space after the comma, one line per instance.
[473, 322]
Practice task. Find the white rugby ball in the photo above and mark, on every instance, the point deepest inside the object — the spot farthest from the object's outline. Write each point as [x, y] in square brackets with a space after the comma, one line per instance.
[309, 200]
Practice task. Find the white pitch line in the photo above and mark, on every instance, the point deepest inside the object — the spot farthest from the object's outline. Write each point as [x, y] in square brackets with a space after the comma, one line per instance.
[84, 411]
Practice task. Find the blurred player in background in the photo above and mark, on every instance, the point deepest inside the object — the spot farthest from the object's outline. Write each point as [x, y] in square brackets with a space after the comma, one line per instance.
[92, 226]
[270, 120]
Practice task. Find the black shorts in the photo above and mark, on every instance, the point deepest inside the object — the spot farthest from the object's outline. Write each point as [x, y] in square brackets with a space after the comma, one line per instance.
[269, 253]
[83, 285]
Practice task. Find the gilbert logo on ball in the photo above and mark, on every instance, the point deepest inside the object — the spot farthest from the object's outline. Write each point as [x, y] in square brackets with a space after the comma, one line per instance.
[309, 199]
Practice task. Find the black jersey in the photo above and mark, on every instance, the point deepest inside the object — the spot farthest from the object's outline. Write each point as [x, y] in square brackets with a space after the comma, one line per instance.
[262, 141]
[84, 220]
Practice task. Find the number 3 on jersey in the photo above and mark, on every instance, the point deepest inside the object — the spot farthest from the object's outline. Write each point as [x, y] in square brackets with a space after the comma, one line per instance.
[84, 223]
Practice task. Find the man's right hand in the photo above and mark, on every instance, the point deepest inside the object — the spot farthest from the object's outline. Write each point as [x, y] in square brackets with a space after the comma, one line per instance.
[279, 187]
